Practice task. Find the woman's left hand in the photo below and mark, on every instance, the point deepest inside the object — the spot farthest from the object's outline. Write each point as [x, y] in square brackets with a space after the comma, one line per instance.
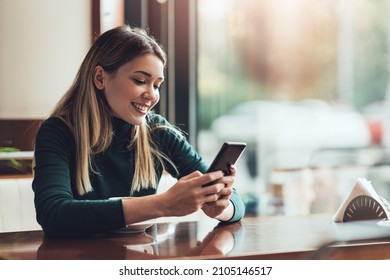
[222, 208]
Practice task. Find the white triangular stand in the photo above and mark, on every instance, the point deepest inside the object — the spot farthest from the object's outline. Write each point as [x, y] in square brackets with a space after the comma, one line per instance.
[362, 187]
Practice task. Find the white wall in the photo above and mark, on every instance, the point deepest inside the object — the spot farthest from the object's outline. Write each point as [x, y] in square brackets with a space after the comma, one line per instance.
[42, 43]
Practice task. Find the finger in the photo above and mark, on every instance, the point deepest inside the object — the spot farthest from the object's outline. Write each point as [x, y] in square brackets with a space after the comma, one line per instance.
[211, 177]
[212, 198]
[226, 191]
[192, 175]
[215, 188]
[233, 170]
[226, 180]
[221, 202]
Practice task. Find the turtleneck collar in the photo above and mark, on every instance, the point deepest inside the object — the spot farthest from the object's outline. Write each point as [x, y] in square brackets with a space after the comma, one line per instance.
[121, 127]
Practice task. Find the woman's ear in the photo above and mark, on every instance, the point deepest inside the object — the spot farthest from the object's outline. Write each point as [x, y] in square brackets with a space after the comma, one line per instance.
[98, 77]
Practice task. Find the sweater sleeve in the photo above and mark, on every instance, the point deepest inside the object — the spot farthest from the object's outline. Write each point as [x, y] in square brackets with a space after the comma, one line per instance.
[58, 212]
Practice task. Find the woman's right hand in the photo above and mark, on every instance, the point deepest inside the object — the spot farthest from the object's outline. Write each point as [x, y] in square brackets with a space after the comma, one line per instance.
[185, 197]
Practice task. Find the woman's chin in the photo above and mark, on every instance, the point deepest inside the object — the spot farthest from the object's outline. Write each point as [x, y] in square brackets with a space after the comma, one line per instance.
[137, 120]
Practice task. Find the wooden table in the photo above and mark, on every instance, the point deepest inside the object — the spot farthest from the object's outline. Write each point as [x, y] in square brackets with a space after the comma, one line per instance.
[278, 237]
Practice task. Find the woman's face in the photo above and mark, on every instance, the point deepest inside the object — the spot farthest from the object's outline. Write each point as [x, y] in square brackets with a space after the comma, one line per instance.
[133, 90]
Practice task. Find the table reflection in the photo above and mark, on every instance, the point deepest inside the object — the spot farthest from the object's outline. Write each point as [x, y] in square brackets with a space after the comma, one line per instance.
[265, 238]
[162, 240]
[221, 241]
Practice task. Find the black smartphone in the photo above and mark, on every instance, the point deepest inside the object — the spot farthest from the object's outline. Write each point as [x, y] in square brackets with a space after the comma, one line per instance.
[228, 155]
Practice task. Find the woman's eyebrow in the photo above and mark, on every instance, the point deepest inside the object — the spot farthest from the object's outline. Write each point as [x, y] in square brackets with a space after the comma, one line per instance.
[147, 74]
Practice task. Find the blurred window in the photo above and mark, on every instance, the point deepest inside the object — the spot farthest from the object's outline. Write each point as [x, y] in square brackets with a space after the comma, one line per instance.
[292, 78]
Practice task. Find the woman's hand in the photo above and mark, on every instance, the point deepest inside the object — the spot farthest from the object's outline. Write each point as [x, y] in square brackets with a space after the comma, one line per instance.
[189, 194]
[222, 209]
[186, 196]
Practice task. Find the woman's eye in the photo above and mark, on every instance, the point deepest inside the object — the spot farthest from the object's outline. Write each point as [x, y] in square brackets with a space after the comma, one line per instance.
[139, 82]
[156, 87]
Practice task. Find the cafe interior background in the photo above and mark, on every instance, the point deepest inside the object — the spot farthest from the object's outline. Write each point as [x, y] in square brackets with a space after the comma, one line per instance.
[305, 84]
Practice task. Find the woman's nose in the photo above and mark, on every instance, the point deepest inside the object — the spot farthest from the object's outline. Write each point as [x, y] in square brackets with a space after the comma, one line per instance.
[152, 94]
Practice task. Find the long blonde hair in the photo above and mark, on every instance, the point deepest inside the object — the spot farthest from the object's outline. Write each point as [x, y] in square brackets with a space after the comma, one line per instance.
[85, 110]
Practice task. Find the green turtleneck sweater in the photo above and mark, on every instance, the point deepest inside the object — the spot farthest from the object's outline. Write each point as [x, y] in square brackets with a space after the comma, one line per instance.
[63, 213]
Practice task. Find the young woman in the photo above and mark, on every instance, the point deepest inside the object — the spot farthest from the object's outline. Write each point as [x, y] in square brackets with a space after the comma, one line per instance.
[102, 140]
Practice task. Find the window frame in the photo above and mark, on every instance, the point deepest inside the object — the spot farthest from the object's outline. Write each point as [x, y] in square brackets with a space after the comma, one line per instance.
[174, 24]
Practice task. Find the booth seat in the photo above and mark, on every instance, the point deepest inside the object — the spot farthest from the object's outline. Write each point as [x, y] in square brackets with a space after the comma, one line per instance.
[17, 211]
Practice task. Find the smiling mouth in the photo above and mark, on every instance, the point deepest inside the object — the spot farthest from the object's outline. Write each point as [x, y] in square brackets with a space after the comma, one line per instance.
[143, 109]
